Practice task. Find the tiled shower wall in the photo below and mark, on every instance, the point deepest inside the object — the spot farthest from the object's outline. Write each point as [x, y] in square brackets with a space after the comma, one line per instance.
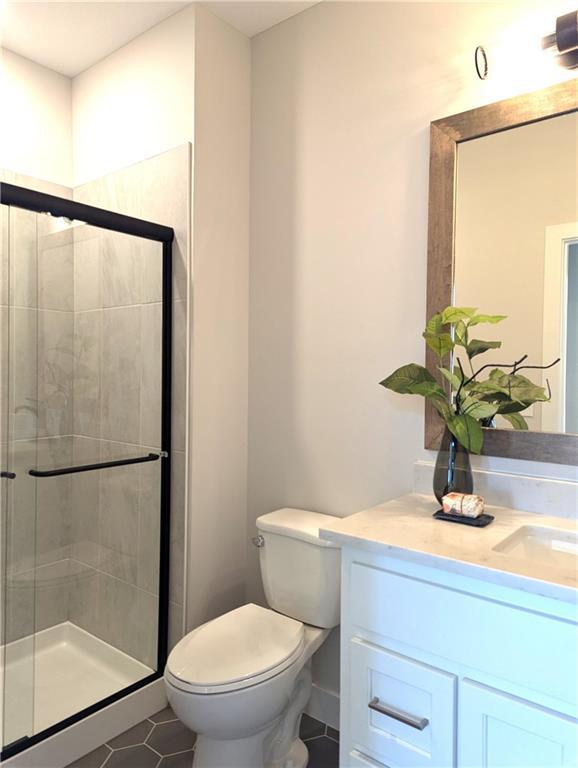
[91, 549]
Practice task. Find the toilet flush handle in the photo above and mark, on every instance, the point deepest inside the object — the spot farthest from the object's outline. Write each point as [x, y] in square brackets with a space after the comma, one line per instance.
[258, 541]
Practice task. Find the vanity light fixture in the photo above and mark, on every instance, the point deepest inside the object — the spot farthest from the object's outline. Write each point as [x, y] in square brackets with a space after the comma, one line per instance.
[481, 62]
[565, 40]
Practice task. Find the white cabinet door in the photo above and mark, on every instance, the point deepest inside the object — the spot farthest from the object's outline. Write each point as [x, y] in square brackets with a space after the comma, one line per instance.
[500, 731]
[401, 712]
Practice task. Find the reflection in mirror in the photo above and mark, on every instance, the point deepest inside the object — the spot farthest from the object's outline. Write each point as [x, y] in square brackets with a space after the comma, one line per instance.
[516, 254]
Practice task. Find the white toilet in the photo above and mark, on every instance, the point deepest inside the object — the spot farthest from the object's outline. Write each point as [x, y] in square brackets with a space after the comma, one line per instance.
[242, 681]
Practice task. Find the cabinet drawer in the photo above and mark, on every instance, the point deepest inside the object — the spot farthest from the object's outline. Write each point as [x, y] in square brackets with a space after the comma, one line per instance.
[497, 639]
[400, 689]
[356, 759]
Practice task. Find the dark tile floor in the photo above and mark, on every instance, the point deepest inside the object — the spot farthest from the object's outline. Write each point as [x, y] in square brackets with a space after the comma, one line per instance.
[163, 742]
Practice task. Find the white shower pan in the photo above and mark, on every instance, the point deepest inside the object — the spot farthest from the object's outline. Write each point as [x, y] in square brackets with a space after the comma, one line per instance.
[58, 672]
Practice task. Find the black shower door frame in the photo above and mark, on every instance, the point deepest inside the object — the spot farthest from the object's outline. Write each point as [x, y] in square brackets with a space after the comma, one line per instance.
[20, 197]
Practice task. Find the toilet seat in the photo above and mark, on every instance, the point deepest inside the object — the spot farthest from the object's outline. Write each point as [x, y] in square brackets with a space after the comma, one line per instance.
[239, 649]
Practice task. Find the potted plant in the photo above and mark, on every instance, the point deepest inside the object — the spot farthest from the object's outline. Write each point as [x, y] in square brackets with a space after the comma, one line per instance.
[469, 401]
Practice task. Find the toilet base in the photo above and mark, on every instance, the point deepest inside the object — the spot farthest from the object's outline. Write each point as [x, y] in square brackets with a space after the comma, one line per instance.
[233, 753]
[245, 753]
[297, 757]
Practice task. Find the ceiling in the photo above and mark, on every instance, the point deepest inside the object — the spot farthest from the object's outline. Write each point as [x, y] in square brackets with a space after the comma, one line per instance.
[254, 17]
[70, 37]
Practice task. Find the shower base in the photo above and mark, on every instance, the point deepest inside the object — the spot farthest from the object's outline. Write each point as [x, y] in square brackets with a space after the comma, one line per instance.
[56, 673]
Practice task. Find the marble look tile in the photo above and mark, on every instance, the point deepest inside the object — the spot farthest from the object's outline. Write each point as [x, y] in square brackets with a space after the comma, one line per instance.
[151, 366]
[146, 636]
[179, 402]
[55, 278]
[87, 271]
[53, 501]
[152, 271]
[149, 527]
[118, 518]
[176, 631]
[122, 270]
[83, 600]
[85, 504]
[51, 587]
[19, 606]
[55, 368]
[23, 258]
[117, 614]
[4, 255]
[87, 373]
[120, 374]
[177, 564]
[20, 517]
[24, 374]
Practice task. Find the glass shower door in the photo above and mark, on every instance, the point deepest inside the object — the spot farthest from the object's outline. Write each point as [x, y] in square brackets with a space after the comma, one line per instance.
[83, 561]
[18, 434]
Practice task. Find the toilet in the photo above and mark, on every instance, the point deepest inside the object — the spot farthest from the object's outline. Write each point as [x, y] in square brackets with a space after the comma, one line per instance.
[242, 681]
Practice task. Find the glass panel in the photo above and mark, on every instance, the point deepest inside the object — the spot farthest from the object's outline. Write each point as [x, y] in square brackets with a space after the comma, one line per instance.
[20, 399]
[83, 328]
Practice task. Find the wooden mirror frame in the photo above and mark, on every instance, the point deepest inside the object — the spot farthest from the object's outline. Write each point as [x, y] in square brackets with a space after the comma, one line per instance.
[445, 136]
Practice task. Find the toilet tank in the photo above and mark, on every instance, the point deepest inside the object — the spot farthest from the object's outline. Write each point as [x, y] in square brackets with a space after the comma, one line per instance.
[301, 573]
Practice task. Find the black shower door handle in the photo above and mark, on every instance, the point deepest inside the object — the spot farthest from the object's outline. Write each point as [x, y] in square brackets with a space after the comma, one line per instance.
[91, 467]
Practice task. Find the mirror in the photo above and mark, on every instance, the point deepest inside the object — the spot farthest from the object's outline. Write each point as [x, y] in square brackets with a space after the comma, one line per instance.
[503, 237]
[516, 254]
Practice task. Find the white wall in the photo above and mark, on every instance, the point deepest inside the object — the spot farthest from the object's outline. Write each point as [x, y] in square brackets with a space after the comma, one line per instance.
[35, 120]
[343, 95]
[218, 480]
[137, 102]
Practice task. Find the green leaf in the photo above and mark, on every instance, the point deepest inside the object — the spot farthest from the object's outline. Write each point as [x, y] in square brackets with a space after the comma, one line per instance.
[441, 344]
[468, 431]
[407, 376]
[442, 407]
[516, 420]
[478, 347]
[454, 314]
[427, 389]
[477, 319]
[454, 379]
[437, 337]
[478, 409]
[461, 334]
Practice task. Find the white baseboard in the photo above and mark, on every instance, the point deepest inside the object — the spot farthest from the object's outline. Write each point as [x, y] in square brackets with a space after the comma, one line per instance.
[324, 706]
[80, 739]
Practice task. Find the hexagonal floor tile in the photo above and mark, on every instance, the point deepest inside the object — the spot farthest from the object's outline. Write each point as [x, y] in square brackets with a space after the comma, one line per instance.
[168, 738]
[94, 759]
[136, 735]
[164, 716]
[133, 757]
[182, 760]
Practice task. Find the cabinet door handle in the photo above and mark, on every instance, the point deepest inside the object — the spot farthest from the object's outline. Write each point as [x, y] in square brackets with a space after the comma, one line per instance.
[419, 723]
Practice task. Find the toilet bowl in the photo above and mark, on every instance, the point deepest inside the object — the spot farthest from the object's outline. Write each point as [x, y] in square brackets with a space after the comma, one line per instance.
[242, 681]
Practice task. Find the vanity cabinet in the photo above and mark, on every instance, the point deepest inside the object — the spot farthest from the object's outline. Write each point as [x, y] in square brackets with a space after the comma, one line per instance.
[450, 671]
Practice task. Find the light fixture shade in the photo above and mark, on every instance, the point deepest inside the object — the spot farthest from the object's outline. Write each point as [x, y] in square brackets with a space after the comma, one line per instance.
[567, 32]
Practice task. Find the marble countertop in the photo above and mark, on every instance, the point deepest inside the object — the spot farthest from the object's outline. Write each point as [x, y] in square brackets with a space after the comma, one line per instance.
[405, 528]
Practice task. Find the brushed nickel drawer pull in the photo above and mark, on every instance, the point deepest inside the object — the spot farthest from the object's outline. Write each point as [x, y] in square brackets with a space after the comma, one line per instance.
[419, 723]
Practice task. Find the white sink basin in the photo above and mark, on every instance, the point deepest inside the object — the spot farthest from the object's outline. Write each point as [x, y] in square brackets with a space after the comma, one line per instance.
[548, 546]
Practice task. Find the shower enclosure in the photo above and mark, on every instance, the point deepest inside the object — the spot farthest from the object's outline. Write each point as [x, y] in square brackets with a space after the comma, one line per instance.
[85, 436]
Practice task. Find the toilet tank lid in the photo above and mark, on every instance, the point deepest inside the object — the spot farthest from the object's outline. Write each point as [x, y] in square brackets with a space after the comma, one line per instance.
[298, 524]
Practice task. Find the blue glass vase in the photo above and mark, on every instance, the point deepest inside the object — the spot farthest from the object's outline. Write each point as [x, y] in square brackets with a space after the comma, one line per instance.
[453, 471]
